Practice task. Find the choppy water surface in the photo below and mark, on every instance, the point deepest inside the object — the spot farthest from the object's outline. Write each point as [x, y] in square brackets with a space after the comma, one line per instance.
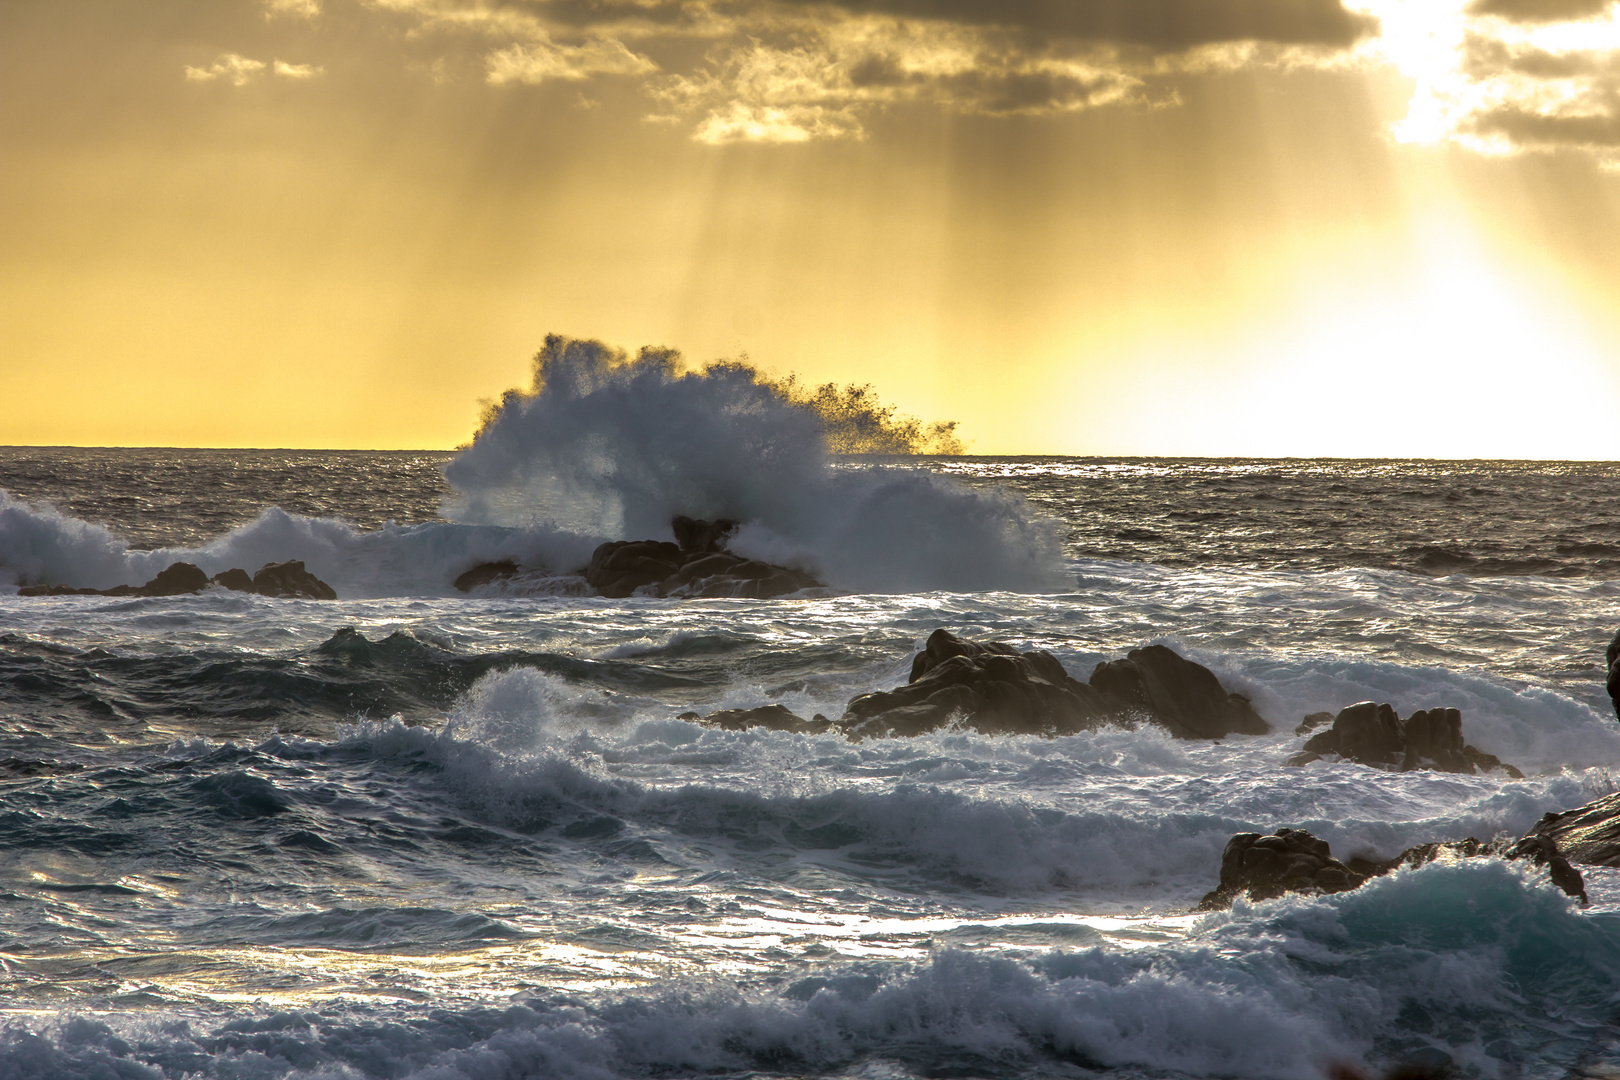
[415, 834]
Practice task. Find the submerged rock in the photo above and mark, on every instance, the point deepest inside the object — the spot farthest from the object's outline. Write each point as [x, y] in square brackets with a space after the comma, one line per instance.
[1374, 734]
[989, 686]
[1168, 689]
[486, 574]
[774, 717]
[290, 580]
[178, 579]
[1293, 860]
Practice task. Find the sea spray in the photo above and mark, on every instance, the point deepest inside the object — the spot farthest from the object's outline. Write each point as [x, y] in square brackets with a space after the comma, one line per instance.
[611, 444]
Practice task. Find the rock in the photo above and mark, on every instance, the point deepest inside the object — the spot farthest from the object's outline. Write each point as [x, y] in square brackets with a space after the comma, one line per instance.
[487, 573]
[1611, 659]
[989, 686]
[235, 579]
[775, 717]
[1312, 722]
[619, 567]
[1171, 690]
[1289, 860]
[289, 580]
[180, 578]
[702, 537]
[1588, 834]
[1292, 860]
[1374, 734]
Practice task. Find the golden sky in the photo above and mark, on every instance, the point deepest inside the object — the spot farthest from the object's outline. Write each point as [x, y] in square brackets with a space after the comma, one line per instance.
[1273, 227]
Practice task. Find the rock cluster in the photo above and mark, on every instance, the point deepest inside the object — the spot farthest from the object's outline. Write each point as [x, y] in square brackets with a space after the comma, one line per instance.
[696, 565]
[1293, 860]
[993, 688]
[283, 579]
[1374, 734]
[1588, 834]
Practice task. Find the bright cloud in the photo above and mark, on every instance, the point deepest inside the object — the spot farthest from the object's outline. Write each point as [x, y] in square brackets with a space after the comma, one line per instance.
[237, 70]
[304, 9]
[297, 71]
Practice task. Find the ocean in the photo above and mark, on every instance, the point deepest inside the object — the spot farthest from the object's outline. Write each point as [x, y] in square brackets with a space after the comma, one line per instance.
[414, 833]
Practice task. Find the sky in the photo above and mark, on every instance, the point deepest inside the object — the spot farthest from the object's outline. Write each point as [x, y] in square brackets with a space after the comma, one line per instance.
[1160, 227]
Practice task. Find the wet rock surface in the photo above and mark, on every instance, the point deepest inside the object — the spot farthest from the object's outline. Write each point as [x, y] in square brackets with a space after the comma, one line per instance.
[774, 717]
[1374, 734]
[1588, 834]
[1295, 861]
[1611, 660]
[290, 580]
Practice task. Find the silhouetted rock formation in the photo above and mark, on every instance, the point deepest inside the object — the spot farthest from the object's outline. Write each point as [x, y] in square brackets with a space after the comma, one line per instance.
[1374, 734]
[1293, 860]
[774, 717]
[990, 686]
[1171, 690]
[1588, 834]
[696, 566]
[290, 580]
[236, 579]
[182, 578]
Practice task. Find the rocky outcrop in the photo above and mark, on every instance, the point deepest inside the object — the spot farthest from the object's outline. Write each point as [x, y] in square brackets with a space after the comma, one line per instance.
[774, 717]
[182, 578]
[1588, 834]
[1293, 860]
[989, 686]
[1158, 685]
[1374, 734]
[695, 566]
[291, 581]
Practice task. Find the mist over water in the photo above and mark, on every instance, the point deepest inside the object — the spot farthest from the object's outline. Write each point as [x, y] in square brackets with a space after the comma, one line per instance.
[613, 445]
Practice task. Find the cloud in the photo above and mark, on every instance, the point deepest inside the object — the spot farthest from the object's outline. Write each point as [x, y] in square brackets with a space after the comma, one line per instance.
[1501, 86]
[303, 9]
[1540, 11]
[237, 70]
[297, 71]
[535, 62]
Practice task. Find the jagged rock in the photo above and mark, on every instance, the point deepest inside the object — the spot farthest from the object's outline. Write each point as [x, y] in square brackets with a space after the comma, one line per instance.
[1588, 834]
[1374, 734]
[1289, 860]
[1292, 860]
[487, 573]
[990, 686]
[290, 580]
[702, 537]
[775, 717]
[1159, 685]
[237, 580]
[1611, 660]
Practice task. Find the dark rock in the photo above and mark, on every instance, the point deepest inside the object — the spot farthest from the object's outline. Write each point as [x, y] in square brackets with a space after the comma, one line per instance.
[1611, 659]
[235, 579]
[1159, 685]
[180, 578]
[1292, 860]
[57, 590]
[1289, 860]
[1374, 734]
[289, 580]
[1588, 834]
[702, 537]
[775, 717]
[1312, 722]
[621, 568]
[989, 686]
[487, 573]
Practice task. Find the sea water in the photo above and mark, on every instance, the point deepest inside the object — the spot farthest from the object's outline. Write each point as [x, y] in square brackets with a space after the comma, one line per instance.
[417, 833]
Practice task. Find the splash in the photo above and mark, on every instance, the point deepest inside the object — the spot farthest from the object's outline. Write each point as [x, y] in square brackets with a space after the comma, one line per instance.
[611, 444]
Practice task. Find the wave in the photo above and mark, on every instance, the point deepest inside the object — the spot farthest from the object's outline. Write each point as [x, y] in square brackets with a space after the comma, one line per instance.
[1475, 965]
